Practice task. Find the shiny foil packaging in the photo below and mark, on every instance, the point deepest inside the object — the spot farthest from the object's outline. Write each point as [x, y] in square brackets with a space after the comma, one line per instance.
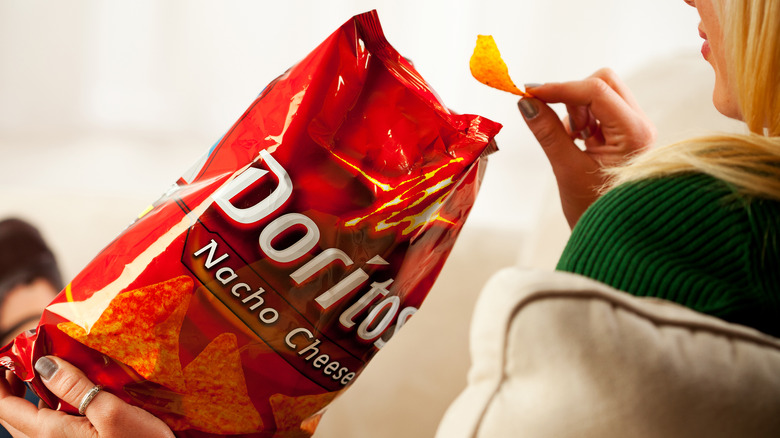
[262, 283]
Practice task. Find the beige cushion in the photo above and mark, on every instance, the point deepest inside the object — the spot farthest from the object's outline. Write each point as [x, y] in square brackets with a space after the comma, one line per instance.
[559, 355]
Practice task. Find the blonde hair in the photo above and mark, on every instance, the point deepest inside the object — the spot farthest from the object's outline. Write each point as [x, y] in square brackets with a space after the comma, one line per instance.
[750, 162]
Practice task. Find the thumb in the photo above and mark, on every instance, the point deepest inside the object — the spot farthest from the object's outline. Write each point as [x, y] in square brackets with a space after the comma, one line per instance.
[66, 381]
[551, 135]
[108, 415]
[578, 176]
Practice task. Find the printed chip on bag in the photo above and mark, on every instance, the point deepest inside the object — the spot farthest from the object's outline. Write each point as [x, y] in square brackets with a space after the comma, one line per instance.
[257, 289]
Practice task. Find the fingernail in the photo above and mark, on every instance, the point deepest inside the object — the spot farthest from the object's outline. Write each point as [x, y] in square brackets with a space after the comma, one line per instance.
[572, 128]
[46, 367]
[532, 85]
[586, 133]
[528, 108]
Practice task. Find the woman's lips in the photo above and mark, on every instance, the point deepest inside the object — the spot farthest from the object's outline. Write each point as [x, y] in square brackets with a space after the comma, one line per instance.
[705, 48]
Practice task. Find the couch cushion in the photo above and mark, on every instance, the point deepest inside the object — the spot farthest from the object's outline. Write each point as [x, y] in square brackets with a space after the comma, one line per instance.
[560, 355]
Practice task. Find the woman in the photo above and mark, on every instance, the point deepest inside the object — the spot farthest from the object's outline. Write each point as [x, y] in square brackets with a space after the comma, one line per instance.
[696, 222]
[603, 113]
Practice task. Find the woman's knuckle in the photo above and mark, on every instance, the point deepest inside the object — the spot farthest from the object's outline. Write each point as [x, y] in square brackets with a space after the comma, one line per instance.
[70, 387]
[109, 424]
[607, 74]
[644, 134]
[48, 429]
[603, 71]
[111, 415]
[545, 134]
[598, 86]
[82, 429]
[652, 133]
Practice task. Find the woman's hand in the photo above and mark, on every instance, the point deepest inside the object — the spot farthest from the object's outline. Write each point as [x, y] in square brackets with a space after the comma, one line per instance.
[105, 416]
[603, 113]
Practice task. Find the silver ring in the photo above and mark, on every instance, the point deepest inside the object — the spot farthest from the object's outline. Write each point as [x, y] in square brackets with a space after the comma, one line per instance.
[88, 398]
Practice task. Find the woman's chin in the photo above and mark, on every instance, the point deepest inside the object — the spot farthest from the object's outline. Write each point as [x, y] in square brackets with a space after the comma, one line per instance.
[726, 105]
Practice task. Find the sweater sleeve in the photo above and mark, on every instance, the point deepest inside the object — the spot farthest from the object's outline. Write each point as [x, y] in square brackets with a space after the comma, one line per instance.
[688, 239]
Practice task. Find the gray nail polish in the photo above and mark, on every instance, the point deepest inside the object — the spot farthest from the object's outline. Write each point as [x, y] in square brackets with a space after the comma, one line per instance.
[586, 133]
[46, 367]
[532, 85]
[528, 108]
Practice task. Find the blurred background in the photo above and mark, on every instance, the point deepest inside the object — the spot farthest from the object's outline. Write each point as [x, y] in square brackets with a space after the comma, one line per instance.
[104, 103]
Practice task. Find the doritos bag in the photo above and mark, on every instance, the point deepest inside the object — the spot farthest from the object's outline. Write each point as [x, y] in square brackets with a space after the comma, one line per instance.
[259, 286]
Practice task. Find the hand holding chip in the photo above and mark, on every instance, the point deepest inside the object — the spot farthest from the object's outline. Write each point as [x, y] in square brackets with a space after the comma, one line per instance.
[603, 113]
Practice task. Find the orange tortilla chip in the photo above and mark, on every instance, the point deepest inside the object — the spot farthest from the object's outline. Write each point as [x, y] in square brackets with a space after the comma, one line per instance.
[300, 413]
[216, 398]
[310, 424]
[140, 328]
[488, 67]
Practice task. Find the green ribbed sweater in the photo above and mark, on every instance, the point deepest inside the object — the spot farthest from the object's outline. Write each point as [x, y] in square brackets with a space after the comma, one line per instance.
[688, 239]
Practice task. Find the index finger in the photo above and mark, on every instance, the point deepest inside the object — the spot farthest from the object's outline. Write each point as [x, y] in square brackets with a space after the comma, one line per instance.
[17, 412]
[604, 102]
[613, 80]
[14, 432]
[21, 415]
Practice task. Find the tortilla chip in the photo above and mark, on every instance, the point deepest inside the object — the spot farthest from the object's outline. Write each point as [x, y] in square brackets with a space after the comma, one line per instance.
[310, 424]
[488, 67]
[300, 413]
[140, 328]
[216, 398]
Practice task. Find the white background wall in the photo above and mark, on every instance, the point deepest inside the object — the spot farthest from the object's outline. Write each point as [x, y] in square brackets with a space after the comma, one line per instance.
[104, 102]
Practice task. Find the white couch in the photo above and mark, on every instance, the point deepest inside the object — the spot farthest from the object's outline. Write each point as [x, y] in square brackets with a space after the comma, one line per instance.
[553, 354]
[559, 355]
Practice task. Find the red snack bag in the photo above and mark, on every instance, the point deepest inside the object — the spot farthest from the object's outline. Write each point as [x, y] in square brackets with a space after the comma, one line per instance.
[259, 286]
